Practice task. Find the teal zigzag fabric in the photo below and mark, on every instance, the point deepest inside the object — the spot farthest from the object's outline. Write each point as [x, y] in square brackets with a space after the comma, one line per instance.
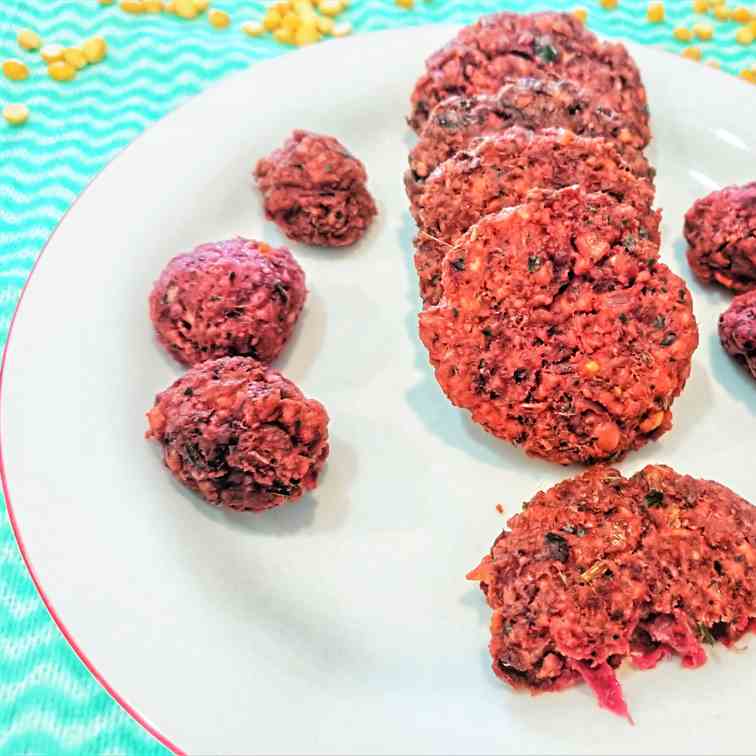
[49, 703]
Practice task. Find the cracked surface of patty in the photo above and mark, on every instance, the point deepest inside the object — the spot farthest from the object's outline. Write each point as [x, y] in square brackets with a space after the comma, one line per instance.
[229, 298]
[315, 190]
[499, 171]
[602, 568]
[530, 103]
[240, 434]
[506, 46]
[559, 331]
[721, 233]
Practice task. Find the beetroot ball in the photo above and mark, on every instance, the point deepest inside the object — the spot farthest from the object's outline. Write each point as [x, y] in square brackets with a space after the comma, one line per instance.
[314, 189]
[236, 297]
[720, 230]
[737, 330]
[240, 434]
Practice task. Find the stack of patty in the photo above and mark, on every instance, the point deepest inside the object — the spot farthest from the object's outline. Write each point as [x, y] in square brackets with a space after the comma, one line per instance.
[547, 313]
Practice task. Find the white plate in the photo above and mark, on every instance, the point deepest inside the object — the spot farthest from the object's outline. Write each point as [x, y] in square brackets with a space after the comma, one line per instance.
[341, 624]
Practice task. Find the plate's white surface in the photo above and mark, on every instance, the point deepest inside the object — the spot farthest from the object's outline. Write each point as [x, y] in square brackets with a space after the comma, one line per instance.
[343, 623]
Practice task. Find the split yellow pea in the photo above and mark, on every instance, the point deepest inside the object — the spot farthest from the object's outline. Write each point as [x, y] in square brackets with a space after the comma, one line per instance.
[15, 70]
[28, 40]
[16, 113]
[61, 71]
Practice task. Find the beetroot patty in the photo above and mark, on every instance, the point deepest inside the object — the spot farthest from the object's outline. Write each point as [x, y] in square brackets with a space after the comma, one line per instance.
[240, 434]
[601, 568]
[499, 171]
[508, 46]
[559, 331]
[530, 103]
[314, 189]
[737, 330]
[236, 297]
[721, 233]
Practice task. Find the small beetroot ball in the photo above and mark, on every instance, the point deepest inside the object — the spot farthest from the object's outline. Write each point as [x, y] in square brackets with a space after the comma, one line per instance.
[314, 189]
[240, 434]
[228, 298]
[737, 330]
[720, 229]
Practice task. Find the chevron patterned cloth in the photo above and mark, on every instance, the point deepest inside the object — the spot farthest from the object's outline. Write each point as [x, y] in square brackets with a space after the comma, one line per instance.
[49, 703]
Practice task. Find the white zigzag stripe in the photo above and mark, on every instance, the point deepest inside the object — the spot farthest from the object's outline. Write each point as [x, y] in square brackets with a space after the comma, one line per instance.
[16, 649]
[37, 677]
[70, 733]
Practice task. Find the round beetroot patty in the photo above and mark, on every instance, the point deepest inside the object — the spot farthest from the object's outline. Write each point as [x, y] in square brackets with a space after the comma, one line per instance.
[240, 434]
[499, 171]
[507, 46]
[531, 103]
[314, 189]
[602, 568]
[558, 331]
[737, 330]
[235, 297]
[721, 233]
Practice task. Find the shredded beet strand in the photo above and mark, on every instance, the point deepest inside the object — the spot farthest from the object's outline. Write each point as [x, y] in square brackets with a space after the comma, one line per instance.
[604, 683]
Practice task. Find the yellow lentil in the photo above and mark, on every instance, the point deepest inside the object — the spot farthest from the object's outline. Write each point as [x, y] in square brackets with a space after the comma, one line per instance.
[592, 367]
[324, 24]
[407, 4]
[282, 7]
[75, 57]
[721, 12]
[95, 49]
[703, 31]
[655, 12]
[330, 7]
[170, 6]
[201, 5]
[741, 14]
[272, 20]
[715, 3]
[15, 70]
[28, 39]
[609, 4]
[253, 28]
[752, 27]
[153, 6]
[51, 53]
[285, 36]
[744, 36]
[219, 19]
[343, 29]
[61, 71]
[16, 113]
[302, 7]
[683, 34]
[186, 9]
[132, 6]
[700, 6]
[581, 14]
[692, 53]
[652, 422]
[748, 75]
[306, 34]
